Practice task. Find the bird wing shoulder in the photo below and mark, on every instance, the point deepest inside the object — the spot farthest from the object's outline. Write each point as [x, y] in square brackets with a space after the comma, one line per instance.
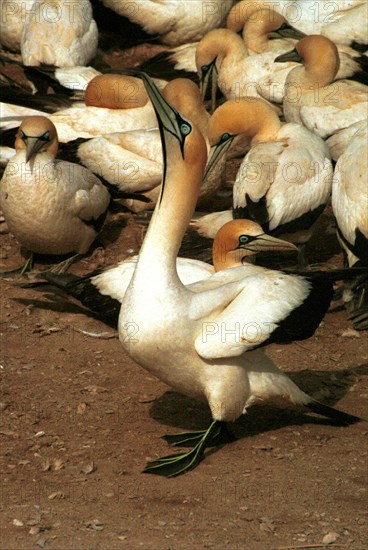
[303, 176]
[90, 198]
[257, 172]
[263, 301]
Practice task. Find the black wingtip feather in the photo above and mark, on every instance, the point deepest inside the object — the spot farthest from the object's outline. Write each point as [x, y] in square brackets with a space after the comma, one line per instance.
[106, 308]
[162, 66]
[303, 321]
[340, 416]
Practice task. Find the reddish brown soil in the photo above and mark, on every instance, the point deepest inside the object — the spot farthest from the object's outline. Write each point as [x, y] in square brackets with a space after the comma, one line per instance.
[79, 420]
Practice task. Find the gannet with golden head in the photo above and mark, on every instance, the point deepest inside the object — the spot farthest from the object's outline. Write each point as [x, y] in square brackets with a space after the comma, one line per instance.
[258, 20]
[284, 181]
[312, 95]
[113, 103]
[132, 160]
[103, 293]
[180, 329]
[50, 206]
[222, 59]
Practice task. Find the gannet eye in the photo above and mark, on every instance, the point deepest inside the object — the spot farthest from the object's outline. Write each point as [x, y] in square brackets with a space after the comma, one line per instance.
[23, 136]
[225, 137]
[205, 68]
[45, 136]
[185, 128]
[243, 239]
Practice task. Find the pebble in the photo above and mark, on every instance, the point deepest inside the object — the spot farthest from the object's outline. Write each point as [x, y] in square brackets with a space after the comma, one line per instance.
[350, 333]
[330, 537]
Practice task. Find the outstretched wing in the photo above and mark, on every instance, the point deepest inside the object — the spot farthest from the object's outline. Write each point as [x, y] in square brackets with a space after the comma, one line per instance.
[271, 307]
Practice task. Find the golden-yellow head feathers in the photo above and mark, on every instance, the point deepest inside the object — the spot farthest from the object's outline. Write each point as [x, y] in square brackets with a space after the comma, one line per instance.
[36, 134]
[240, 238]
[217, 43]
[320, 55]
[248, 115]
[115, 91]
[182, 92]
[255, 12]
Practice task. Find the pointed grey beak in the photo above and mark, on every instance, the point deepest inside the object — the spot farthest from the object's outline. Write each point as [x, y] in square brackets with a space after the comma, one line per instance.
[215, 154]
[264, 243]
[289, 56]
[285, 31]
[169, 121]
[166, 114]
[34, 145]
[209, 78]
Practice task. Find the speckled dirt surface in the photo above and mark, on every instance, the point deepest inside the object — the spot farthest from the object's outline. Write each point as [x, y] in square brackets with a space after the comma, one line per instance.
[79, 420]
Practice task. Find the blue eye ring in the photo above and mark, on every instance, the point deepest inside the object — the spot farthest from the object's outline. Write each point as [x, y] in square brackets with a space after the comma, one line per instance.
[185, 128]
[46, 136]
[243, 239]
[205, 68]
[225, 137]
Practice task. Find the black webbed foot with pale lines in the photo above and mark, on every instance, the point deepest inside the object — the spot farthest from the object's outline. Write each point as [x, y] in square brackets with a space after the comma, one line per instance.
[175, 465]
[19, 271]
[218, 434]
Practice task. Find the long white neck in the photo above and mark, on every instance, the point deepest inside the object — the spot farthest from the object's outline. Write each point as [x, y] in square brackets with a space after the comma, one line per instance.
[157, 258]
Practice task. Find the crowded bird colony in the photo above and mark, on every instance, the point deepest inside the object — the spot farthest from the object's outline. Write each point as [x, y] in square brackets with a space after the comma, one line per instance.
[277, 89]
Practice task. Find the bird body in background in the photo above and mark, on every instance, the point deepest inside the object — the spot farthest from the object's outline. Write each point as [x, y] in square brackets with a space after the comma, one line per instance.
[103, 293]
[222, 54]
[339, 140]
[284, 181]
[114, 103]
[13, 115]
[132, 160]
[50, 206]
[60, 33]
[312, 95]
[257, 22]
[13, 15]
[176, 22]
[343, 22]
[110, 105]
[201, 364]
[350, 207]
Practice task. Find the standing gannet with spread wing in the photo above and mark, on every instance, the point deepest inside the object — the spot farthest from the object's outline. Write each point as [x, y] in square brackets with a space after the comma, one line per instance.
[103, 293]
[350, 206]
[50, 206]
[284, 181]
[312, 95]
[60, 33]
[180, 336]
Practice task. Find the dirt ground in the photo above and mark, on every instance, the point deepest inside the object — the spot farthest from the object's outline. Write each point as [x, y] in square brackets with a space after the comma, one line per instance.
[79, 420]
